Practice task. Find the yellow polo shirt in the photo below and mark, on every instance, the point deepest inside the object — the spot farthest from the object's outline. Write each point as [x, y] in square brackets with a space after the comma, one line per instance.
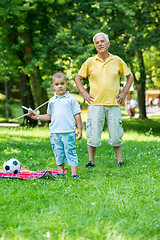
[104, 78]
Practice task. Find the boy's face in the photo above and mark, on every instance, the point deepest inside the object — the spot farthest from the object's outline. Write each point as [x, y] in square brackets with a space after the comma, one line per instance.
[60, 85]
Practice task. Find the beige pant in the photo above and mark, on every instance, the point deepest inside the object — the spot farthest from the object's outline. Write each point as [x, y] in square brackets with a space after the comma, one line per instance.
[97, 115]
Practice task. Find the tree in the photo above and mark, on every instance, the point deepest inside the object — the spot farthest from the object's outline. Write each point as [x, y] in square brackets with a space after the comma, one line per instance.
[42, 37]
[145, 21]
[22, 33]
[151, 61]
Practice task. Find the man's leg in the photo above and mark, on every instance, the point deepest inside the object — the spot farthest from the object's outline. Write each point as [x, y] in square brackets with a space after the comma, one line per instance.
[118, 151]
[91, 153]
[95, 123]
[115, 132]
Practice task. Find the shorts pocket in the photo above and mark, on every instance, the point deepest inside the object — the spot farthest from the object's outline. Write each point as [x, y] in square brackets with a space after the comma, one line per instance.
[89, 128]
[120, 129]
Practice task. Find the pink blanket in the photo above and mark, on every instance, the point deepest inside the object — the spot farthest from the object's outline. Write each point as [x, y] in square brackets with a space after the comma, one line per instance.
[28, 175]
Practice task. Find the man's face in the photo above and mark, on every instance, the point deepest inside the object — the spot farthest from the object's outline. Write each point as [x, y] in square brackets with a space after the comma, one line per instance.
[101, 44]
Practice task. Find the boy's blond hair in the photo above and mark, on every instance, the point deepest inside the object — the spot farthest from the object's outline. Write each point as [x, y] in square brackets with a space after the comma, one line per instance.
[58, 75]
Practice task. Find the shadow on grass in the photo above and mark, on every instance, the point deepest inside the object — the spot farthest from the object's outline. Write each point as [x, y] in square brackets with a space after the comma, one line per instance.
[142, 126]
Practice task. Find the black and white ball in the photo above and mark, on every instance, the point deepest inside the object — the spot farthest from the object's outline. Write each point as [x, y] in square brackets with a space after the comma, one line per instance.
[11, 166]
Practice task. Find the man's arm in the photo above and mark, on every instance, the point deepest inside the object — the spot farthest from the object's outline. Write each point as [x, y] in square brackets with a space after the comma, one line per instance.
[121, 96]
[89, 98]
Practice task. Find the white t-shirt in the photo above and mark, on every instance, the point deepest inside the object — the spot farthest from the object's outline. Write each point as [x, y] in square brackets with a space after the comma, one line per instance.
[132, 103]
[62, 111]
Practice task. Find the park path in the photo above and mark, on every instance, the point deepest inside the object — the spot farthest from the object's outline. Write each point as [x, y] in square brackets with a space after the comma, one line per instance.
[151, 111]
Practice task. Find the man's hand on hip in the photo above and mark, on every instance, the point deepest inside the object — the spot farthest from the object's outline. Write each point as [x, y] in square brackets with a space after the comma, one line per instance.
[120, 97]
[89, 98]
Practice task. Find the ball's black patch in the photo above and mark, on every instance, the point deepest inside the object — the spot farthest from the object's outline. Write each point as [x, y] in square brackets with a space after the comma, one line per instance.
[15, 172]
[15, 163]
[7, 167]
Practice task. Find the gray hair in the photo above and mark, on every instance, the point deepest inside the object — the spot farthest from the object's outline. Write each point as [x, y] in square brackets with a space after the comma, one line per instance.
[100, 33]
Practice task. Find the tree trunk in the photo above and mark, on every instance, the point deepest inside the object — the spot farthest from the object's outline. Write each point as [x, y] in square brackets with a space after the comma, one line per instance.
[26, 98]
[140, 86]
[39, 93]
[6, 100]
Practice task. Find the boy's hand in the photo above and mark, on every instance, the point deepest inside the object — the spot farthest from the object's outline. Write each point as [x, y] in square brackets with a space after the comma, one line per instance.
[79, 134]
[32, 115]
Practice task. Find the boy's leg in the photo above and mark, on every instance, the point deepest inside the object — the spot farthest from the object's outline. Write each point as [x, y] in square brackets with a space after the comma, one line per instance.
[58, 150]
[74, 170]
[70, 151]
[60, 168]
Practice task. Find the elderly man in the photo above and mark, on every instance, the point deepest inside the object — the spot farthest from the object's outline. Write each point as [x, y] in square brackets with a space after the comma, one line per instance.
[103, 71]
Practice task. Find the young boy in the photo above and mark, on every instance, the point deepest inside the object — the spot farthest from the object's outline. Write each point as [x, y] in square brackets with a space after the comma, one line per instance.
[64, 112]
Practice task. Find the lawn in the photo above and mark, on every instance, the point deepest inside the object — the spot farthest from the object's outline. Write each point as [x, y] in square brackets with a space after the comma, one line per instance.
[107, 202]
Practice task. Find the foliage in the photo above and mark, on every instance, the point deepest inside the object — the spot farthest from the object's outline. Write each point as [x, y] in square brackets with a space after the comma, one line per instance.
[143, 35]
[39, 38]
[151, 59]
[61, 34]
[107, 202]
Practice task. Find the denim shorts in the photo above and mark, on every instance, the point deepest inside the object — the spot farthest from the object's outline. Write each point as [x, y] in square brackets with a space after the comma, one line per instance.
[64, 148]
[97, 115]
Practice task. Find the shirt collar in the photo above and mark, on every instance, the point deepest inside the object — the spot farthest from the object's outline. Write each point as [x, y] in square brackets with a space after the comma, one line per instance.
[107, 60]
[64, 96]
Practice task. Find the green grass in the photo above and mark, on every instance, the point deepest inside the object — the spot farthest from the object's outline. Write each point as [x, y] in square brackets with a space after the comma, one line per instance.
[148, 126]
[107, 202]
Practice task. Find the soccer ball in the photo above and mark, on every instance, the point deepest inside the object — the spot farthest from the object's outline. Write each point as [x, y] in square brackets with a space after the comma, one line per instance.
[12, 166]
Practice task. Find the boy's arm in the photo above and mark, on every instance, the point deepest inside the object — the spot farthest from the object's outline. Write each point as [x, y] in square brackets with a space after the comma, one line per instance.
[44, 117]
[79, 125]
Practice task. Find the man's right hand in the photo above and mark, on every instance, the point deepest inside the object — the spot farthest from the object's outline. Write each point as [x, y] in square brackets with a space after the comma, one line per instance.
[89, 98]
